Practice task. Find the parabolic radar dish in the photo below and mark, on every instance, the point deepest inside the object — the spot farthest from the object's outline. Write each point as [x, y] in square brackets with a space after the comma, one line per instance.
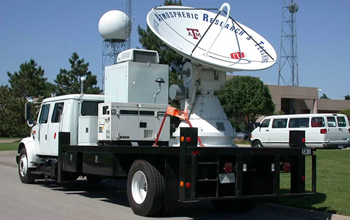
[114, 25]
[211, 39]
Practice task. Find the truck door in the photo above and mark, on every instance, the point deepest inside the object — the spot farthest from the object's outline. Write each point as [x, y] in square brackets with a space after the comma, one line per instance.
[54, 128]
[263, 132]
[41, 136]
[279, 134]
[333, 132]
[342, 127]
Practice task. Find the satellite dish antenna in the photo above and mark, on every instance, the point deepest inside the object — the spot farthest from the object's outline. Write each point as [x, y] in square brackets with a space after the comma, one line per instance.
[211, 39]
[215, 44]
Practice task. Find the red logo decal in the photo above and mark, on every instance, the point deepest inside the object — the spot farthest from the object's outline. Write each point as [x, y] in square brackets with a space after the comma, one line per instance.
[193, 33]
[237, 55]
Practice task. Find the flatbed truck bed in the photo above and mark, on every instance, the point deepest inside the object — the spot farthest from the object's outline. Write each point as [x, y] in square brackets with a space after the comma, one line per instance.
[186, 174]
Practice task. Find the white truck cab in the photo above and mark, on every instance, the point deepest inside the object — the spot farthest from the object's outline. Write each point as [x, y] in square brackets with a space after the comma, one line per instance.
[56, 114]
[62, 113]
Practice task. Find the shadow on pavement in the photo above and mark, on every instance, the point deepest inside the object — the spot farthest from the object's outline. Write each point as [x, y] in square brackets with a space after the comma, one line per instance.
[114, 191]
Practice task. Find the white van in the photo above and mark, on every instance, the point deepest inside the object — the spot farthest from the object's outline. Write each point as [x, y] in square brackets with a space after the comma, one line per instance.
[317, 130]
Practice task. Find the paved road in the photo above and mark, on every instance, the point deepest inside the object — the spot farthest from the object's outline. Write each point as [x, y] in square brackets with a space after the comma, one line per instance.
[79, 200]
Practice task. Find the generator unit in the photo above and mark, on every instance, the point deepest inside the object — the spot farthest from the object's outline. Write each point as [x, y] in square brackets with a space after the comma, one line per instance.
[132, 123]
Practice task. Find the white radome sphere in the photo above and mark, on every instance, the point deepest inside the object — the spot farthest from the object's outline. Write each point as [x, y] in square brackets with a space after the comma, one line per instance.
[114, 25]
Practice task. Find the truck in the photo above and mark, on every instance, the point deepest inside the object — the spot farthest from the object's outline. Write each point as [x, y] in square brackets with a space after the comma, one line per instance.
[126, 134]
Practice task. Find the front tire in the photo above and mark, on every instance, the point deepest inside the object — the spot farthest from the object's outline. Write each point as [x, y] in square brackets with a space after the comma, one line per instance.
[258, 144]
[145, 189]
[23, 170]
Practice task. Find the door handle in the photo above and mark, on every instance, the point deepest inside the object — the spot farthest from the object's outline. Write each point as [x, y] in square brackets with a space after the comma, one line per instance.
[45, 137]
[267, 130]
[340, 129]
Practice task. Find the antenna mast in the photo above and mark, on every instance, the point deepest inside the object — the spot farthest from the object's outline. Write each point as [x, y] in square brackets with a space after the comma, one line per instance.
[129, 14]
[288, 63]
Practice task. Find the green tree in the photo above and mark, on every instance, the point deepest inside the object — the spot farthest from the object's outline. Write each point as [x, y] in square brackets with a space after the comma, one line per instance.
[167, 55]
[68, 81]
[28, 81]
[347, 97]
[4, 94]
[245, 98]
[324, 96]
[279, 112]
[346, 112]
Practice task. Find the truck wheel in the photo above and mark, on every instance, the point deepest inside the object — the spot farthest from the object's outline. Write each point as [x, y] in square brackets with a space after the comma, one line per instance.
[257, 144]
[145, 189]
[242, 205]
[23, 170]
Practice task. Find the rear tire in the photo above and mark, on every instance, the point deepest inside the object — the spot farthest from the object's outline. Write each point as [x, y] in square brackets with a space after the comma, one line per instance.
[257, 144]
[145, 189]
[23, 170]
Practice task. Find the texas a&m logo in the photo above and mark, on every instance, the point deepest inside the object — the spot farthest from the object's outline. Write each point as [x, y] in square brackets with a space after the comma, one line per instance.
[194, 33]
[238, 55]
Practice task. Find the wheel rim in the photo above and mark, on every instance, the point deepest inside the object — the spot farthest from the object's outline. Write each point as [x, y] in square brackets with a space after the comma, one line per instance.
[23, 165]
[139, 187]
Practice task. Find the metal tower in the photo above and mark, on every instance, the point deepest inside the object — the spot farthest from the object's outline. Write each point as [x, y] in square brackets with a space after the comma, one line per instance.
[288, 72]
[129, 14]
[112, 47]
[110, 50]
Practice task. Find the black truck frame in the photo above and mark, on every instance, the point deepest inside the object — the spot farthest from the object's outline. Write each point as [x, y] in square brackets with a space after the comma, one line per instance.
[189, 173]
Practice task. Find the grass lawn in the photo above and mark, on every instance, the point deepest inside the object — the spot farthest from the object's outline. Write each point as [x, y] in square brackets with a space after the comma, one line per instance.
[9, 146]
[332, 184]
[10, 138]
[237, 141]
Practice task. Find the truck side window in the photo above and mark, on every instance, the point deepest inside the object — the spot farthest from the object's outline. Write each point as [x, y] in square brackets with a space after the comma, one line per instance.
[331, 122]
[317, 122]
[341, 122]
[105, 110]
[89, 108]
[44, 114]
[57, 112]
[299, 123]
[279, 123]
[265, 123]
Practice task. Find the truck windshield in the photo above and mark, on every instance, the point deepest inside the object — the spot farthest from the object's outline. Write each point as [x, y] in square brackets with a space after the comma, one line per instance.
[265, 123]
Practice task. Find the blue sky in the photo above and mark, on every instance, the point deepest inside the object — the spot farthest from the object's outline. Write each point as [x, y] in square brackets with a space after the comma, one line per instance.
[50, 31]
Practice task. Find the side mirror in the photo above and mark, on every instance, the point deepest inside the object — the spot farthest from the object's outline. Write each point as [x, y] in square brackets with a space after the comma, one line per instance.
[28, 114]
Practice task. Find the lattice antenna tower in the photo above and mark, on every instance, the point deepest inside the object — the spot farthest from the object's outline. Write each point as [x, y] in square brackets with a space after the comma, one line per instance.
[288, 71]
[129, 14]
[115, 28]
